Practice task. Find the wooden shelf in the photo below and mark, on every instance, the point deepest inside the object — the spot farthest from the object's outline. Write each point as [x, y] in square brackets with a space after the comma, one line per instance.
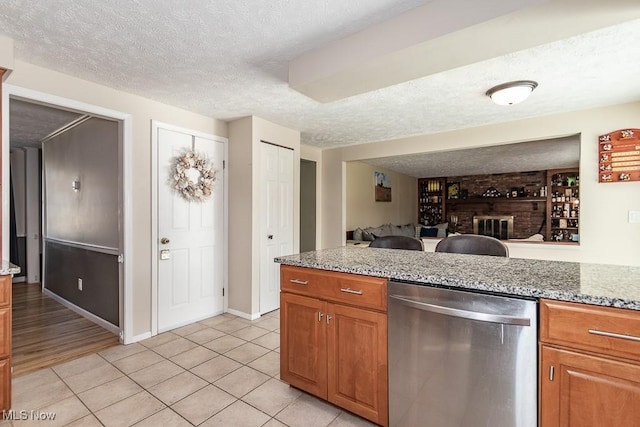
[497, 200]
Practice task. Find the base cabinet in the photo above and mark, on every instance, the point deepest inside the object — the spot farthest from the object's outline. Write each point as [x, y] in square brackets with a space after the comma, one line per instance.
[5, 343]
[589, 366]
[335, 351]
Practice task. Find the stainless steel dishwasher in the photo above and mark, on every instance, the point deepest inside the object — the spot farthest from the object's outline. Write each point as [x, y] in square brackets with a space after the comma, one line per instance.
[461, 359]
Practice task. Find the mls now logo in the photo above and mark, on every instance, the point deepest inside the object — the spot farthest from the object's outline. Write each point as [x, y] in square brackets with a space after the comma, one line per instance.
[23, 415]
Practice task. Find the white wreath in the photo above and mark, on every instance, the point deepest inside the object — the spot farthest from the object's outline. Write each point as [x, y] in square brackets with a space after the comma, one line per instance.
[193, 177]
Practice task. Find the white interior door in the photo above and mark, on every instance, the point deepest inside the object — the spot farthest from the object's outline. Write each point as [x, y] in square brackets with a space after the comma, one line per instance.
[190, 274]
[276, 215]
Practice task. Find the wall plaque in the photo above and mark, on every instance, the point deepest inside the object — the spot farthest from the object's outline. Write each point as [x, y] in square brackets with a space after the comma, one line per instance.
[619, 156]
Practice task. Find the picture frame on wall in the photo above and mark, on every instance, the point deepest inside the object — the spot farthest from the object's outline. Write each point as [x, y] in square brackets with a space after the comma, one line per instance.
[453, 190]
[382, 187]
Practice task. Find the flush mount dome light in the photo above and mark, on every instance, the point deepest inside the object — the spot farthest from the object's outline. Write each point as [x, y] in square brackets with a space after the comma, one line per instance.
[512, 92]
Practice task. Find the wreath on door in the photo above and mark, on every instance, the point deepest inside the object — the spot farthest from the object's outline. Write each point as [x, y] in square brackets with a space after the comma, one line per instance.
[193, 176]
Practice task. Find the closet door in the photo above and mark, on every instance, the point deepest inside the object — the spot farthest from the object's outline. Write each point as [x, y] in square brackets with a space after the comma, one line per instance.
[276, 219]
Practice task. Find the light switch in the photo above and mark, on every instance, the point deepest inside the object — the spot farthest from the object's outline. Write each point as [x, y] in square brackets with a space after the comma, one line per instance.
[634, 217]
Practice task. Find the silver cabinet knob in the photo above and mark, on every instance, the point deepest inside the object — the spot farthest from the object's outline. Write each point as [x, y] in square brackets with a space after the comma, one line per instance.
[164, 240]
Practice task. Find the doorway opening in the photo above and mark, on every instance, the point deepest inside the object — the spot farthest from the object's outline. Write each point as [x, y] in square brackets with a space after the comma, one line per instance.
[307, 205]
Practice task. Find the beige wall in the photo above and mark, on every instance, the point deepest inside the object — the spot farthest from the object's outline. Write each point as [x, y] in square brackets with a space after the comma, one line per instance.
[245, 136]
[142, 111]
[6, 54]
[362, 209]
[605, 233]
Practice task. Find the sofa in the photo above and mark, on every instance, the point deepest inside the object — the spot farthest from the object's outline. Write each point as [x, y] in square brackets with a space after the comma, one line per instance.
[417, 231]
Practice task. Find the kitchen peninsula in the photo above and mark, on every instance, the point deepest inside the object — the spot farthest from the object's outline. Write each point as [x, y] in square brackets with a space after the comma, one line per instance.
[589, 323]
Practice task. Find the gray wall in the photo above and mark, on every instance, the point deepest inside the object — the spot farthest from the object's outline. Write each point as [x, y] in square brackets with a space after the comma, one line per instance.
[82, 227]
[307, 205]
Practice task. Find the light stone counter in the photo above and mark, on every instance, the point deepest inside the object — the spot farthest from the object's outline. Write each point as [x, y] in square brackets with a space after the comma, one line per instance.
[7, 268]
[600, 284]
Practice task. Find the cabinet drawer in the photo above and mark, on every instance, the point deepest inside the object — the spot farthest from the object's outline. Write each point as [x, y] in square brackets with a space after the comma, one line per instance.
[606, 330]
[360, 291]
[5, 291]
[5, 332]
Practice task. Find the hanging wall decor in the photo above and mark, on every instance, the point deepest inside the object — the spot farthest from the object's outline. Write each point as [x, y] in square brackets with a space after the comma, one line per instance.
[382, 187]
[619, 156]
[193, 177]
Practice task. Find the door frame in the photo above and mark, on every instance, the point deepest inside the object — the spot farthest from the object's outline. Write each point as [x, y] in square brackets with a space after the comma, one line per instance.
[126, 143]
[155, 126]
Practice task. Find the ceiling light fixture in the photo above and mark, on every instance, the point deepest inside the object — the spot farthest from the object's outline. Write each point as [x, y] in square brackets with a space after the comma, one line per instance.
[512, 92]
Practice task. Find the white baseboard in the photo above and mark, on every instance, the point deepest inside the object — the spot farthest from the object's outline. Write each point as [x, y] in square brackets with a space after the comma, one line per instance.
[243, 315]
[84, 313]
[20, 279]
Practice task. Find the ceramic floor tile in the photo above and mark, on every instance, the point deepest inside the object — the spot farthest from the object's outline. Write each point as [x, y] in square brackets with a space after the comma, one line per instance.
[307, 411]
[64, 411]
[272, 396]
[88, 421]
[93, 378]
[202, 404]
[205, 335]
[155, 374]
[166, 417]
[241, 381]
[346, 419]
[188, 329]
[212, 321]
[270, 341]
[159, 339]
[270, 323]
[216, 368]
[121, 351]
[224, 344]
[82, 364]
[250, 333]
[109, 393]
[36, 390]
[193, 357]
[174, 347]
[268, 364]
[138, 361]
[232, 325]
[237, 414]
[274, 423]
[177, 388]
[130, 410]
[246, 353]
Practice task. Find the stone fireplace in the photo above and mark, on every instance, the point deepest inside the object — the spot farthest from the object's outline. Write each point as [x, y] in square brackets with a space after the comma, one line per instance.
[498, 226]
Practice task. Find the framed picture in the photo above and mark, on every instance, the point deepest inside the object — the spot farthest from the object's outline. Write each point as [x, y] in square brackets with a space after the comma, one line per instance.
[453, 190]
[382, 187]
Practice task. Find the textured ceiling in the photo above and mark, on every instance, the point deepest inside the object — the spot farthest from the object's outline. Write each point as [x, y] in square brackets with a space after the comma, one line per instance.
[555, 153]
[31, 123]
[229, 59]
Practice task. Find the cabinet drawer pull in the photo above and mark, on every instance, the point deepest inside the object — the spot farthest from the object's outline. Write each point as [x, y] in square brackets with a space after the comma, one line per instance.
[320, 314]
[299, 282]
[614, 335]
[350, 291]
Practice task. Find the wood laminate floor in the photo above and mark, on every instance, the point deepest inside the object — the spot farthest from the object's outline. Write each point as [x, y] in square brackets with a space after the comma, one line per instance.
[45, 333]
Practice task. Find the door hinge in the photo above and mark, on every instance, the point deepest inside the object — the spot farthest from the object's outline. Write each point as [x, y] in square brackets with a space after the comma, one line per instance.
[222, 291]
[121, 259]
[224, 164]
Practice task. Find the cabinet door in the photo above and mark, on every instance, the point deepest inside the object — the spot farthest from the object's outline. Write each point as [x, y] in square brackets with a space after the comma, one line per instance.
[357, 361]
[5, 385]
[303, 343]
[588, 391]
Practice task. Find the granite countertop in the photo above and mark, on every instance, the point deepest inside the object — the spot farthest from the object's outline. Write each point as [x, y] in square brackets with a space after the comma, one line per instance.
[600, 284]
[7, 268]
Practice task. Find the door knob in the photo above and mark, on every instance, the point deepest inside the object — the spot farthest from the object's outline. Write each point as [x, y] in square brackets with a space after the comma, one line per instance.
[164, 240]
[270, 237]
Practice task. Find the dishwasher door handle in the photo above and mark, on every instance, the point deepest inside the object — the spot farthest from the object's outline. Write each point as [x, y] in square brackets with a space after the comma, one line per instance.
[504, 319]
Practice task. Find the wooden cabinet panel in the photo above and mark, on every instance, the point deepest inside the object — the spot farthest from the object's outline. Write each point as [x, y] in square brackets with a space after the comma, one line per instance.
[352, 289]
[5, 291]
[303, 343]
[357, 361]
[5, 332]
[582, 326]
[588, 391]
[5, 385]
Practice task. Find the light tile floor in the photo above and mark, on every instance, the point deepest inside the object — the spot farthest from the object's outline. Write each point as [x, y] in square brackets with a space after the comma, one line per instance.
[222, 371]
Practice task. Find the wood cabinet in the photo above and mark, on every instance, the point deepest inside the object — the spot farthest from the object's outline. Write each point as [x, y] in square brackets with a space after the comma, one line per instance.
[563, 205]
[333, 332]
[589, 365]
[431, 200]
[5, 343]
